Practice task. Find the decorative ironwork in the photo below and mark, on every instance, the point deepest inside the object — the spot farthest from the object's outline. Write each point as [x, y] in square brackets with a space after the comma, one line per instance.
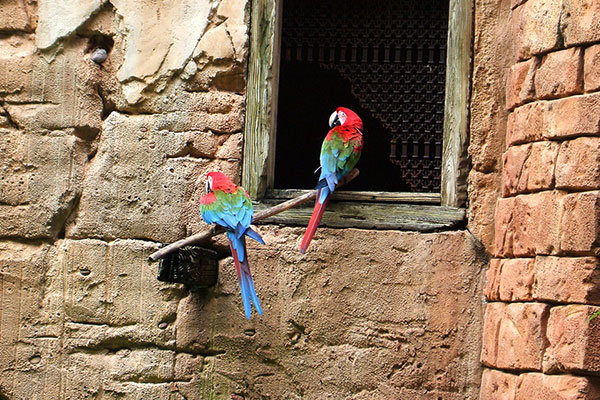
[196, 267]
[393, 53]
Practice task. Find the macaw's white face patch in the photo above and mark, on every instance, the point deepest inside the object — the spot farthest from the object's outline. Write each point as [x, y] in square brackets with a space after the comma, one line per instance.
[209, 184]
[342, 117]
[337, 118]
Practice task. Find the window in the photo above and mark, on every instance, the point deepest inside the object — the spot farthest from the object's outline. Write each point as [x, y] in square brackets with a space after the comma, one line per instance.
[414, 159]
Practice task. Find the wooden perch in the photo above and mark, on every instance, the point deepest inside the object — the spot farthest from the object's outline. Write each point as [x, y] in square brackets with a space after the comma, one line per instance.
[216, 230]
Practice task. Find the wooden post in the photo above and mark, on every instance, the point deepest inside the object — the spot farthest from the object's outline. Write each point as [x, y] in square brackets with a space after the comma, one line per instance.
[216, 230]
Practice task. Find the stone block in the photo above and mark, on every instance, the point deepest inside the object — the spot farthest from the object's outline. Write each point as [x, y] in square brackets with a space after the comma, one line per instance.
[497, 385]
[485, 188]
[142, 365]
[556, 387]
[519, 86]
[510, 279]
[110, 285]
[560, 74]
[235, 13]
[572, 116]
[579, 162]
[591, 68]
[187, 366]
[529, 168]
[527, 225]
[514, 335]
[216, 44]
[58, 93]
[580, 224]
[22, 269]
[14, 17]
[525, 124]
[573, 340]
[40, 180]
[567, 279]
[535, 27]
[16, 62]
[580, 22]
[141, 181]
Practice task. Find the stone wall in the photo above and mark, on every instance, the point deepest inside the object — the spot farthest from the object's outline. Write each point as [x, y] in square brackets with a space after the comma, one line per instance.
[544, 282]
[100, 163]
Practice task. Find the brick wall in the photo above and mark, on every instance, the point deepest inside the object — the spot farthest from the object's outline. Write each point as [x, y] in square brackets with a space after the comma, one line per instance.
[544, 282]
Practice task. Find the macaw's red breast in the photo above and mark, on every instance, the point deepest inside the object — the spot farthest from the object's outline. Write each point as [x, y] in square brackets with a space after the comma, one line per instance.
[346, 133]
[208, 198]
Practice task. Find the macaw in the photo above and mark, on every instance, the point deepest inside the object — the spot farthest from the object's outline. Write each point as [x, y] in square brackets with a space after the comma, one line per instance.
[340, 152]
[230, 206]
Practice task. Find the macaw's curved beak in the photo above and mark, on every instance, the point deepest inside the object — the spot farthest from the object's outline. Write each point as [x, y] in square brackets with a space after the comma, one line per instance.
[334, 120]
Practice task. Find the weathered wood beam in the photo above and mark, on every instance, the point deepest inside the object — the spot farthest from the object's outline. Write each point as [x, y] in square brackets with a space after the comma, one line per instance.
[264, 214]
[363, 196]
[455, 163]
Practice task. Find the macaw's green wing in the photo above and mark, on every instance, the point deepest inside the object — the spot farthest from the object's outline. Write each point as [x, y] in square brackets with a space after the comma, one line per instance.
[233, 211]
[338, 157]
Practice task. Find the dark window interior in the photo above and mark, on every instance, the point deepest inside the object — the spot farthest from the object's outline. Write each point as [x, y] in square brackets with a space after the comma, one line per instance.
[385, 60]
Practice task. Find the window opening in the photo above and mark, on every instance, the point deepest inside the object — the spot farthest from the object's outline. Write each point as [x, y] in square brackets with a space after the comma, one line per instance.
[386, 60]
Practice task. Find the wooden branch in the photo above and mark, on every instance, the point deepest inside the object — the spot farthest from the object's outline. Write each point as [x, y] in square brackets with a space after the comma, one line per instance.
[216, 230]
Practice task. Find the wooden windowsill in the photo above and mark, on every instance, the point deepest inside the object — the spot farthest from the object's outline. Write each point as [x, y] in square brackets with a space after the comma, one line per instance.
[369, 210]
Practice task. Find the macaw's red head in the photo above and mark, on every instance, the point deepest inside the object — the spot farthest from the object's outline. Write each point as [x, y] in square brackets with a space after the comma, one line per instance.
[345, 117]
[219, 181]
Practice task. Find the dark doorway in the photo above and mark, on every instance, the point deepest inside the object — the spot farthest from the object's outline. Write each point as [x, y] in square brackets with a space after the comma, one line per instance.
[384, 60]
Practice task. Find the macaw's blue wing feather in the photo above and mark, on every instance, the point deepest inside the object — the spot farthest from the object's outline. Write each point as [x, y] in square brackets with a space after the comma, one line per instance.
[251, 233]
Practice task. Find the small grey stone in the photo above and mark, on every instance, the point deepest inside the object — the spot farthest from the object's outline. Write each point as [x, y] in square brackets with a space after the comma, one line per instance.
[99, 56]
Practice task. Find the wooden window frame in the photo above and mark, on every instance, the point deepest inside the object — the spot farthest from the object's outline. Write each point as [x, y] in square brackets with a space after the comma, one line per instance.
[384, 210]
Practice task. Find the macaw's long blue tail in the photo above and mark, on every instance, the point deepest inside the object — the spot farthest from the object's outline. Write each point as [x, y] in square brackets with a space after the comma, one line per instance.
[238, 251]
[323, 195]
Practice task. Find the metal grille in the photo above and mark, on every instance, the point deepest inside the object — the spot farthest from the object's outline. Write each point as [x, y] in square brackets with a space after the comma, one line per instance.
[393, 54]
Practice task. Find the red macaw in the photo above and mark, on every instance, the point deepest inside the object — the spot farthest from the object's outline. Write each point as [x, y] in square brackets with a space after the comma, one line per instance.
[340, 152]
[230, 206]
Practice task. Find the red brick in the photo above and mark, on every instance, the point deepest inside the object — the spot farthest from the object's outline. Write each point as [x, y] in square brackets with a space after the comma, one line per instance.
[591, 68]
[573, 340]
[513, 335]
[535, 27]
[529, 168]
[580, 21]
[579, 164]
[497, 385]
[560, 74]
[567, 279]
[510, 279]
[580, 224]
[556, 387]
[491, 327]
[527, 225]
[519, 85]
[525, 124]
[576, 115]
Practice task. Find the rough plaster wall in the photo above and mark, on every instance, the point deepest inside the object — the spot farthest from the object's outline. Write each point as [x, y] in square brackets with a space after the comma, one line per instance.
[493, 48]
[101, 163]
